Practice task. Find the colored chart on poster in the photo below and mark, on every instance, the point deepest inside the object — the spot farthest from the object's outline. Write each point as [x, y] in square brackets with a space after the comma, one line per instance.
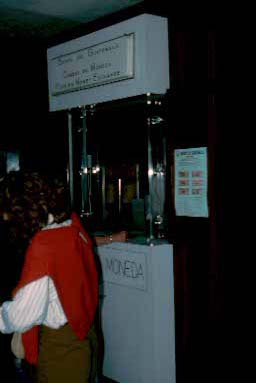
[191, 182]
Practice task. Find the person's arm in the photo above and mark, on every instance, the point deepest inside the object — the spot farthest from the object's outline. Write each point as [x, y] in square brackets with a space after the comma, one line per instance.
[115, 237]
[27, 309]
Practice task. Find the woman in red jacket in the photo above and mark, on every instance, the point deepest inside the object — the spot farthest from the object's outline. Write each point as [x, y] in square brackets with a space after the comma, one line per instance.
[55, 302]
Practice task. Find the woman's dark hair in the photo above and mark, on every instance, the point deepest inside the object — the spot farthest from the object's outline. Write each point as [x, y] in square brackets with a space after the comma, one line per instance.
[59, 199]
[30, 197]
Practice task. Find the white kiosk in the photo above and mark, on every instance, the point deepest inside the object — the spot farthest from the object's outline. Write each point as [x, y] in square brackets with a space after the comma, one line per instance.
[128, 59]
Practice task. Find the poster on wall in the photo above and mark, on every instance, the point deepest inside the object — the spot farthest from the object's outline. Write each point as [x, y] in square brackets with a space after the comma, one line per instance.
[191, 182]
[12, 162]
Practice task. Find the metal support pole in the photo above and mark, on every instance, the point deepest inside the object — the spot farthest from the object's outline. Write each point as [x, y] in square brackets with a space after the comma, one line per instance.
[71, 160]
[119, 195]
[150, 175]
[103, 182]
[84, 167]
[137, 181]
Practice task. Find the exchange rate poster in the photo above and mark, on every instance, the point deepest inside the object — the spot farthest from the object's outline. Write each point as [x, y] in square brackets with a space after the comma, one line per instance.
[191, 182]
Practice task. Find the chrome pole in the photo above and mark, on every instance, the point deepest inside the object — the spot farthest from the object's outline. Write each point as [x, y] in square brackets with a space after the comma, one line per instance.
[70, 159]
[150, 185]
[84, 167]
[137, 181]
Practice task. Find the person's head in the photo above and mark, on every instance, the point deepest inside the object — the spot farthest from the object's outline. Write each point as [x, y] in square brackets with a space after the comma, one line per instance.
[58, 202]
[30, 198]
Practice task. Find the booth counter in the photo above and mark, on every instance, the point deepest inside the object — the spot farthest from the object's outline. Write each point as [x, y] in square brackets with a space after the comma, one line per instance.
[137, 312]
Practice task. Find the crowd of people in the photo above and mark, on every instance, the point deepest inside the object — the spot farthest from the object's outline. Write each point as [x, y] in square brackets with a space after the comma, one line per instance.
[48, 283]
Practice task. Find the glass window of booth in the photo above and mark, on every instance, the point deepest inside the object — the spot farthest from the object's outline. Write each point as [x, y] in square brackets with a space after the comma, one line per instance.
[112, 144]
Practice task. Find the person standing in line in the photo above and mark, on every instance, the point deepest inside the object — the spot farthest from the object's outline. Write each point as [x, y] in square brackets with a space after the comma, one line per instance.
[55, 302]
[6, 279]
[12, 258]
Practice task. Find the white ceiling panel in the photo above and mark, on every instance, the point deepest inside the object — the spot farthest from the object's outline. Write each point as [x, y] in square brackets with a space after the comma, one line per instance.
[45, 18]
[78, 10]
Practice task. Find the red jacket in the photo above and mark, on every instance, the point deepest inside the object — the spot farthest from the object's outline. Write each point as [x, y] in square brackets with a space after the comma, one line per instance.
[63, 254]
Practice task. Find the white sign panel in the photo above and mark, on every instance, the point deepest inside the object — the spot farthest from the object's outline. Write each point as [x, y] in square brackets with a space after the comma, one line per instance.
[93, 66]
[127, 59]
[191, 182]
[124, 268]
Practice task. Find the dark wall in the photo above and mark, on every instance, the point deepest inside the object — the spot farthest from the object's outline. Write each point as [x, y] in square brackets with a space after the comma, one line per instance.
[198, 249]
[27, 125]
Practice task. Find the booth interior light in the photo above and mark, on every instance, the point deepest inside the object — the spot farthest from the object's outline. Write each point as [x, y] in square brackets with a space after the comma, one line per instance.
[95, 169]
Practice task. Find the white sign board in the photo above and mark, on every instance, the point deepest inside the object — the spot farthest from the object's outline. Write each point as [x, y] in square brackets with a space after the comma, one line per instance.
[93, 66]
[191, 182]
[127, 59]
[138, 313]
[130, 270]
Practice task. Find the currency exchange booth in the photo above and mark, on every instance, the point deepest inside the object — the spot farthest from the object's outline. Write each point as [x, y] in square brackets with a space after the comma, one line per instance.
[112, 86]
